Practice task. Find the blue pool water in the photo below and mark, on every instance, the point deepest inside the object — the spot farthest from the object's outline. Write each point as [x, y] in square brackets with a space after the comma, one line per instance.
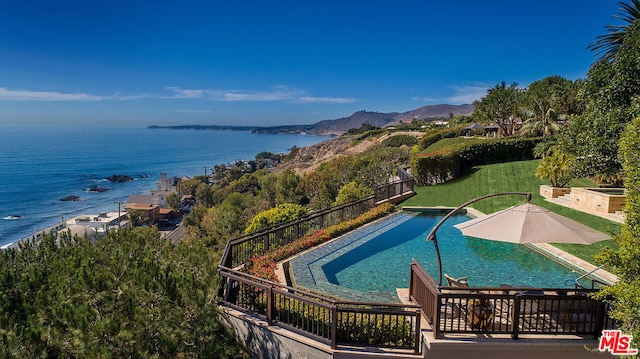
[370, 263]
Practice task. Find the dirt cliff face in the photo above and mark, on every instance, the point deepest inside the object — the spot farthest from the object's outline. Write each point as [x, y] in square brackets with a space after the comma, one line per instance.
[307, 159]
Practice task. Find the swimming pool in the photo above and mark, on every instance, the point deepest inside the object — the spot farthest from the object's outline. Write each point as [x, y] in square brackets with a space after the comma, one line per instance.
[371, 262]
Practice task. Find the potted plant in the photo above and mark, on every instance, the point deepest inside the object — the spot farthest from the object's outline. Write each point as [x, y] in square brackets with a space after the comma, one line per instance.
[555, 168]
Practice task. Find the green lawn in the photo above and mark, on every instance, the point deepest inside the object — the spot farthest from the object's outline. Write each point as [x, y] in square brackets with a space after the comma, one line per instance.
[511, 177]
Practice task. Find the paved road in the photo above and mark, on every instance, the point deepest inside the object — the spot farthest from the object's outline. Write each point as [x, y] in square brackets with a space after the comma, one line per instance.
[176, 235]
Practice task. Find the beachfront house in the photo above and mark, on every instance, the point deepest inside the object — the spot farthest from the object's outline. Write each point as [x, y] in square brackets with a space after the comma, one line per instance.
[150, 212]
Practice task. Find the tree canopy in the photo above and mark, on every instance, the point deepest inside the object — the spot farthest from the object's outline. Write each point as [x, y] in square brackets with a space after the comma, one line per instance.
[609, 132]
[608, 94]
[129, 295]
[626, 261]
[500, 105]
[609, 44]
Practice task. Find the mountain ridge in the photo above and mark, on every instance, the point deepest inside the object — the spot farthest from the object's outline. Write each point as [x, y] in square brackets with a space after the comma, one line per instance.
[339, 126]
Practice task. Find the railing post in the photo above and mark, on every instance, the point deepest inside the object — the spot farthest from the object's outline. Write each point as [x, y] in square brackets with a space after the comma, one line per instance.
[418, 333]
[226, 288]
[266, 240]
[334, 327]
[600, 318]
[270, 305]
[411, 278]
[516, 316]
[436, 317]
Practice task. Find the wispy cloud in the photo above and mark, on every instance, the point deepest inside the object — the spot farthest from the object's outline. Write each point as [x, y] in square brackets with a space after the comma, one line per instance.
[312, 99]
[468, 94]
[427, 99]
[21, 95]
[191, 111]
[276, 93]
[27, 95]
[183, 93]
[462, 95]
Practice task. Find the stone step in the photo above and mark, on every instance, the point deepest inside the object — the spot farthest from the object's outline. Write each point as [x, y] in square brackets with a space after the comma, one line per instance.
[566, 200]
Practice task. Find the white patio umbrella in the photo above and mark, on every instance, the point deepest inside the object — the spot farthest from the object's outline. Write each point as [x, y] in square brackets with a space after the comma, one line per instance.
[528, 223]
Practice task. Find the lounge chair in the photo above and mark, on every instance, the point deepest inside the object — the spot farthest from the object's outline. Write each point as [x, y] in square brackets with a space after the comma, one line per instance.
[479, 312]
[456, 282]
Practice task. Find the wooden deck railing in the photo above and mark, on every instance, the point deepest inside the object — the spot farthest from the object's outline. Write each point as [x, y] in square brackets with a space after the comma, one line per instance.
[327, 321]
[239, 250]
[507, 310]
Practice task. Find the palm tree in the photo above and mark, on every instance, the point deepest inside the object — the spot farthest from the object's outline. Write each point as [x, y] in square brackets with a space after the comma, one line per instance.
[541, 119]
[556, 169]
[609, 43]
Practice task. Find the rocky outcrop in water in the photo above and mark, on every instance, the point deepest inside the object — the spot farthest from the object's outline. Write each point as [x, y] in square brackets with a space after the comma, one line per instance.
[119, 178]
[71, 199]
[97, 189]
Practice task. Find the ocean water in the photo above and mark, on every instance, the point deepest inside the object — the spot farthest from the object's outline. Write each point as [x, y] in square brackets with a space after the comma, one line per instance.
[41, 165]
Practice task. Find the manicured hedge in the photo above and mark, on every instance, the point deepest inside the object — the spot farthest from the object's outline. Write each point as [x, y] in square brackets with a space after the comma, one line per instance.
[450, 162]
[399, 141]
[435, 136]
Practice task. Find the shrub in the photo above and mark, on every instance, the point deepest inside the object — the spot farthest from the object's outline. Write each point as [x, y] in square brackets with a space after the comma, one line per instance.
[279, 214]
[435, 136]
[556, 169]
[352, 191]
[399, 141]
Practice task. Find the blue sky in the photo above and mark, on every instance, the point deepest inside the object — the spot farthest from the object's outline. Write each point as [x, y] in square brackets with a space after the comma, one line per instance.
[136, 63]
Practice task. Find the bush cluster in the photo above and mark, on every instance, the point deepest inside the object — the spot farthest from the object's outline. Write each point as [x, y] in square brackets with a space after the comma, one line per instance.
[399, 141]
[435, 136]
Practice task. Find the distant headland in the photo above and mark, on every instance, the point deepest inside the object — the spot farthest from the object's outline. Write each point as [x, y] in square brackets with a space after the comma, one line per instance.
[339, 126]
[293, 129]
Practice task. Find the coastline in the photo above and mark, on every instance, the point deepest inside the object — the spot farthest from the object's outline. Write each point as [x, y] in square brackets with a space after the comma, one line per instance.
[39, 166]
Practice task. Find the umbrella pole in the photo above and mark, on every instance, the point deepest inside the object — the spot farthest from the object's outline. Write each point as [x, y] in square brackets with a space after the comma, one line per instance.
[432, 234]
[435, 244]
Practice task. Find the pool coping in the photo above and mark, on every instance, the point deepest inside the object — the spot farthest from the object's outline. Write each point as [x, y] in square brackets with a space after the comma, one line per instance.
[546, 249]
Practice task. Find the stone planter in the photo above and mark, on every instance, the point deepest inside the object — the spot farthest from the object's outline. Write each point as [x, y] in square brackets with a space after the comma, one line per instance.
[599, 200]
[553, 192]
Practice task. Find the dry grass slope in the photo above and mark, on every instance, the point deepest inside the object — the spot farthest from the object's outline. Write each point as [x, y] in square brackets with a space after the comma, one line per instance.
[309, 158]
